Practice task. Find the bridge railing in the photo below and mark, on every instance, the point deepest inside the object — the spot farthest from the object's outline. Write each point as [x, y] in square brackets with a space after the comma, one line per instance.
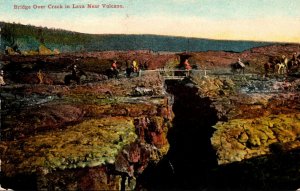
[176, 73]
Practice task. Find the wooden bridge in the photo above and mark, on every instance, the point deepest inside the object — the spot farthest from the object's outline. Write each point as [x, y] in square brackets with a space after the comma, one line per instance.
[175, 74]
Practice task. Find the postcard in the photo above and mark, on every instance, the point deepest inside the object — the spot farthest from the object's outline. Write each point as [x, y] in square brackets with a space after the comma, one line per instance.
[149, 95]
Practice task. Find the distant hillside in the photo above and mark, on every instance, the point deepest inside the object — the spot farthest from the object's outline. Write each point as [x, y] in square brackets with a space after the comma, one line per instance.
[26, 37]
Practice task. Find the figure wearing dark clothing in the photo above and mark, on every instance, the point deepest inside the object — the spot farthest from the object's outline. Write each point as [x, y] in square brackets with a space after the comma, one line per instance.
[74, 71]
[129, 70]
[113, 70]
[292, 65]
[295, 59]
[74, 76]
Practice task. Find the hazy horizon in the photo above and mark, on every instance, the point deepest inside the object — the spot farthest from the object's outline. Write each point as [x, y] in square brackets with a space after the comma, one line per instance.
[256, 20]
[148, 34]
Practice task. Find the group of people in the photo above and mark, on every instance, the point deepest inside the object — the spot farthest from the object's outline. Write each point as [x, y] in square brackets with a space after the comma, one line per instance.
[282, 65]
[132, 67]
[111, 72]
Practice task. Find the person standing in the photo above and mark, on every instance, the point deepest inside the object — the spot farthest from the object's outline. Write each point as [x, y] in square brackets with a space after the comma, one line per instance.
[187, 65]
[135, 66]
[2, 82]
[241, 63]
[74, 71]
[114, 65]
[114, 69]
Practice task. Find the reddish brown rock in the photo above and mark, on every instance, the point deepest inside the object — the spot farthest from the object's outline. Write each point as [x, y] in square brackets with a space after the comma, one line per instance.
[42, 118]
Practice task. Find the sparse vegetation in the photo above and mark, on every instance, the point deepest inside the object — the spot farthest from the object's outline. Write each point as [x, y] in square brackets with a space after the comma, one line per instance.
[28, 37]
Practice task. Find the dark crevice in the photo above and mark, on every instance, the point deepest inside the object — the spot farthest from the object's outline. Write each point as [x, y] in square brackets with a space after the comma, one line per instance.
[19, 182]
[191, 161]
[191, 156]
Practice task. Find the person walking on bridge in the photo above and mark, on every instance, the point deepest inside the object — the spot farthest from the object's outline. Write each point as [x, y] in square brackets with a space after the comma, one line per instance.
[187, 65]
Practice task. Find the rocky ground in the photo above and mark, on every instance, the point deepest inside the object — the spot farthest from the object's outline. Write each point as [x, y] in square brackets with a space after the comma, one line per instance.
[112, 129]
[254, 114]
[256, 136]
[122, 133]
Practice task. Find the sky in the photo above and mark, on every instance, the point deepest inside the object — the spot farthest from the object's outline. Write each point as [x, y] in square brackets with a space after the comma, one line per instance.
[258, 20]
